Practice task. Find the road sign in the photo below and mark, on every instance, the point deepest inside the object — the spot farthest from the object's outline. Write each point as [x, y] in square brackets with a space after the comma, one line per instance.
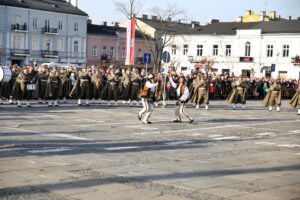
[273, 67]
[166, 57]
[147, 58]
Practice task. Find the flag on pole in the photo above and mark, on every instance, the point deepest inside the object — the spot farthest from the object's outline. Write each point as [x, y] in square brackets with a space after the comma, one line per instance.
[130, 41]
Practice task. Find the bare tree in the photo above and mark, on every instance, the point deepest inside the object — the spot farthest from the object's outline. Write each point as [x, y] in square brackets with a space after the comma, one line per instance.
[207, 65]
[164, 26]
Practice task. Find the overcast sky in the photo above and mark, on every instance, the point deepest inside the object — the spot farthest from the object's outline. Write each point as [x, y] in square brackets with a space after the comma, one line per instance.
[197, 10]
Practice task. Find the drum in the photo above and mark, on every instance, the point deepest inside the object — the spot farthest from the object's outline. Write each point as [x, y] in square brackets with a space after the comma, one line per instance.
[30, 87]
[5, 74]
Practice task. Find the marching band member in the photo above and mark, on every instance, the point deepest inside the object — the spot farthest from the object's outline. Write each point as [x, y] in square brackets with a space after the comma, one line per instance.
[238, 93]
[81, 88]
[200, 91]
[182, 95]
[65, 84]
[295, 102]
[41, 85]
[273, 97]
[148, 97]
[53, 89]
[112, 93]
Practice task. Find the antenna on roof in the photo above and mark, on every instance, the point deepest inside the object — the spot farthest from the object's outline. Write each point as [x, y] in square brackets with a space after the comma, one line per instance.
[266, 6]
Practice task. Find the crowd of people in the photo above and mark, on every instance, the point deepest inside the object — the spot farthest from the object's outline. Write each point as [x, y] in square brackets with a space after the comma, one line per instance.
[94, 84]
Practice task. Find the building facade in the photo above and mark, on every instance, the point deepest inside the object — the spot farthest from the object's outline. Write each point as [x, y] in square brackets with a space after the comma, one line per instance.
[261, 49]
[35, 32]
[107, 45]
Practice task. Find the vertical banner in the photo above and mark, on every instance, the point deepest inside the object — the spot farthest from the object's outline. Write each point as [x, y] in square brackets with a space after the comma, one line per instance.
[130, 41]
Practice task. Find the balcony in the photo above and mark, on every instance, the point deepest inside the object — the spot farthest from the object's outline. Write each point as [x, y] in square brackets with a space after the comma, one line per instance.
[19, 28]
[50, 31]
[296, 60]
[19, 52]
[49, 54]
[195, 59]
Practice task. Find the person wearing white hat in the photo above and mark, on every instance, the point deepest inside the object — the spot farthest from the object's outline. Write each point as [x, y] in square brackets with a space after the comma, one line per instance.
[147, 96]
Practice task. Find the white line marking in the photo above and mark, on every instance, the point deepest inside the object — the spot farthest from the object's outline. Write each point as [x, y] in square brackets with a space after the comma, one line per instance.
[52, 135]
[289, 145]
[295, 131]
[121, 148]
[226, 138]
[265, 143]
[176, 143]
[149, 128]
[194, 134]
[214, 136]
[50, 150]
[265, 134]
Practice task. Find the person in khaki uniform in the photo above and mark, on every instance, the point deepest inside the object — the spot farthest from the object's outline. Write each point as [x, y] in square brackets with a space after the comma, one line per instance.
[53, 89]
[295, 101]
[97, 85]
[273, 97]
[65, 84]
[41, 85]
[200, 92]
[81, 88]
[112, 93]
[238, 93]
[135, 87]
[125, 85]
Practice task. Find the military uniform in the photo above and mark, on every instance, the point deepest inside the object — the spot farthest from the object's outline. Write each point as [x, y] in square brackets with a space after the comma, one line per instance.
[237, 94]
[295, 101]
[112, 88]
[273, 97]
[135, 87]
[41, 85]
[97, 85]
[81, 88]
[200, 93]
[125, 85]
[65, 84]
[53, 89]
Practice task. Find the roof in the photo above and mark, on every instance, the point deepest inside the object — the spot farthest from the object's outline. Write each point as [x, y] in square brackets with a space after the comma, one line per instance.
[109, 30]
[59, 6]
[226, 28]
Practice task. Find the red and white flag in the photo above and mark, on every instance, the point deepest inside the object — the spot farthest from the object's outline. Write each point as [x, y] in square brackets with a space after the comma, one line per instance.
[130, 41]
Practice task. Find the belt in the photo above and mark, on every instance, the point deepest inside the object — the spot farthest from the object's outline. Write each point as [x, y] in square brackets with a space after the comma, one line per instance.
[54, 81]
[135, 84]
[43, 80]
[274, 91]
[112, 83]
[240, 88]
[84, 80]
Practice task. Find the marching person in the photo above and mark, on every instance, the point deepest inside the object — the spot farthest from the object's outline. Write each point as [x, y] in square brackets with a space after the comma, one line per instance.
[125, 85]
[135, 87]
[65, 84]
[182, 95]
[53, 89]
[295, 102]
[81, 88]
[273, 97]
[148, 97]
[112, 93]
[237, 94]
[97, 85]
[41, 85]
[201, 92]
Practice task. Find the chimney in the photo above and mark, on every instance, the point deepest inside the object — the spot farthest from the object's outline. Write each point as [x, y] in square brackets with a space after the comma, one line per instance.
[290, 17]
[89, 21]
[239, 19]
[194, 24]
[117, 24]
[248, 12]
[272, 15]
[213, 21]
[76, 4]
[154, 18]
[145, 16]
[104, 23]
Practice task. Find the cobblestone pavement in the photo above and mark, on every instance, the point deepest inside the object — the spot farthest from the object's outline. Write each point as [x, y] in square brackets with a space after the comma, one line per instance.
[105, 153]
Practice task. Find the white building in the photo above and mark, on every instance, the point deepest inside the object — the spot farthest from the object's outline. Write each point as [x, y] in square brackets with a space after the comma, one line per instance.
[249, 49]
[39, 31]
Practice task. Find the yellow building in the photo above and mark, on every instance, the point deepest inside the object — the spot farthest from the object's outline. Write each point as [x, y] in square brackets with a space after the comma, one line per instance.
[251, 16]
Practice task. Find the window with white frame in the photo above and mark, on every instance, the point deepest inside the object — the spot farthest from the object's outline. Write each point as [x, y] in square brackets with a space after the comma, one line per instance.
[17, 19]
[35, 22]
[199, 50]
[269, 50]
[286, 50]
[104, 50]
[60, 45]
[185, 49]
[94, 50]
[228, 50]
[173, 49]
[60, 25]
[76, 46]
[47, 44]
[76, 27]
[248, 49]
[112, 52]
[17, 42]
[47, 23]
[35, 43]
[215, 50]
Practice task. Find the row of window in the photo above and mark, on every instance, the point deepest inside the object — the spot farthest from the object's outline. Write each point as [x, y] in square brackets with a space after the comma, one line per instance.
[17, 20]
[47, 44]
[247, 53]
[111, 51]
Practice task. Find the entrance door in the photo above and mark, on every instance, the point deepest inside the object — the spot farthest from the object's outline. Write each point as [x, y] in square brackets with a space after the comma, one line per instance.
[18, 62]
[246, 73]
